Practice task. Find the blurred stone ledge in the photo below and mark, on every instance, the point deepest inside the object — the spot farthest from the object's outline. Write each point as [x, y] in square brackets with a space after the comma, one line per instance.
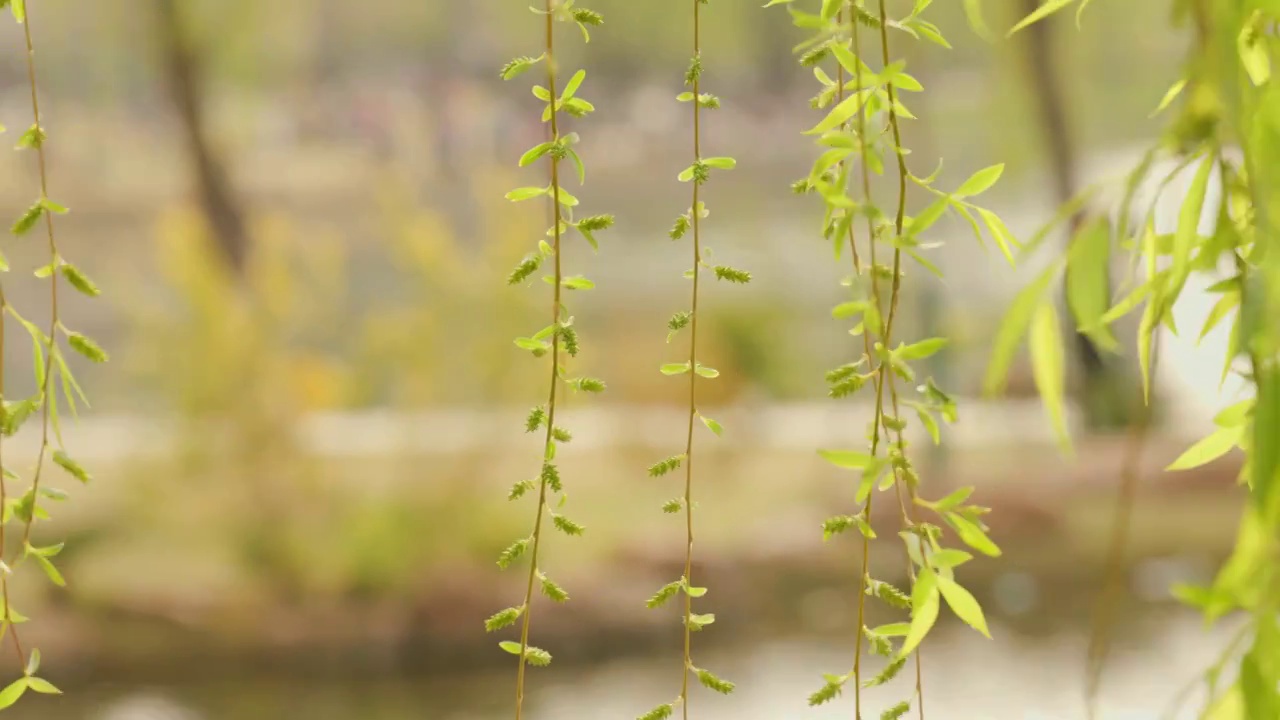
[797, 426]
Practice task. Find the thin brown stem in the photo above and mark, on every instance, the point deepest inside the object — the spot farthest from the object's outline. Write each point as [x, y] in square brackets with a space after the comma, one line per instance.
[866, 346]
[9, 625]
[693, 374]
[555, 363]
[1113, 586]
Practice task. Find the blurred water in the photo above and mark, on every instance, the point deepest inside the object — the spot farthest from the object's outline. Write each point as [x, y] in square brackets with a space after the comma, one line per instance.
[1015, 676]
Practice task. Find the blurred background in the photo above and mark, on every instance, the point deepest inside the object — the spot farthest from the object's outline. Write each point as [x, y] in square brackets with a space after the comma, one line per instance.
[314, 410]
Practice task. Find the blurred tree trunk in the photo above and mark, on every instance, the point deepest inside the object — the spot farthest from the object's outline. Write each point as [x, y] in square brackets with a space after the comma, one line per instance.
[1050, 98]
[221, 208]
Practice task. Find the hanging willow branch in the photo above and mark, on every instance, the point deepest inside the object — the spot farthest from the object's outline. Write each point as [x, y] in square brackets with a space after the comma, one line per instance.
[861, 125]
[559, 338]
[1227, 111]
[690, 224]
[52, 376]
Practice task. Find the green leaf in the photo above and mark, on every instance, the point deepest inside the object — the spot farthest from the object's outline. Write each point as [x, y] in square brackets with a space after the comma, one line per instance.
[1050, 7]
[53, 207]
[510, 646]
[577, 282]
[675, 368]
[930, 424]
[840, 114]
[1170, 95]
[49, 570]
[1048, 366]
[527, 193]
[1251, 45]
[1016, 320]
[921, 350]
[19, 8]
[894, 629]
[29, 218]
[41, 685]
[79, 280]
[536, 152]
[721, 163]
[954, 499]
[571, 88]
[33, 662]
[1234, 415]
[999, 232]
[1088, 282]
[712, 425]
[849, 459]
[924, 611]
[963, 604]
[1187, 232]
[1208, 449]
[949, 558]
[13, 691]
[980, 181]
[87, 347]
[972, 535]
[577, 164]
[707, 372]
[71, 466]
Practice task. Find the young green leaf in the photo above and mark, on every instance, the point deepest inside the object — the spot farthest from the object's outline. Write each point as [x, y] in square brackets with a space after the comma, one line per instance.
[980, 181]
[712, 425]
[87, 347]
[12, 692]
[1049, 367]
[924, 612]
[1088, 282]
[963, 604]
[920, 350]
[1048, 8]
[71, 466]
[1208, 449]
[849, 459]
[42, 686]
[1012, 328]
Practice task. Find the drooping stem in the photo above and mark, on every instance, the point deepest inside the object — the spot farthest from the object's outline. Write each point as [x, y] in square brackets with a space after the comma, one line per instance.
[1117, 544]
[4, 502]
[866, 343]
[693, 375]
[555, 361]
[883, 376]
[45, 395]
